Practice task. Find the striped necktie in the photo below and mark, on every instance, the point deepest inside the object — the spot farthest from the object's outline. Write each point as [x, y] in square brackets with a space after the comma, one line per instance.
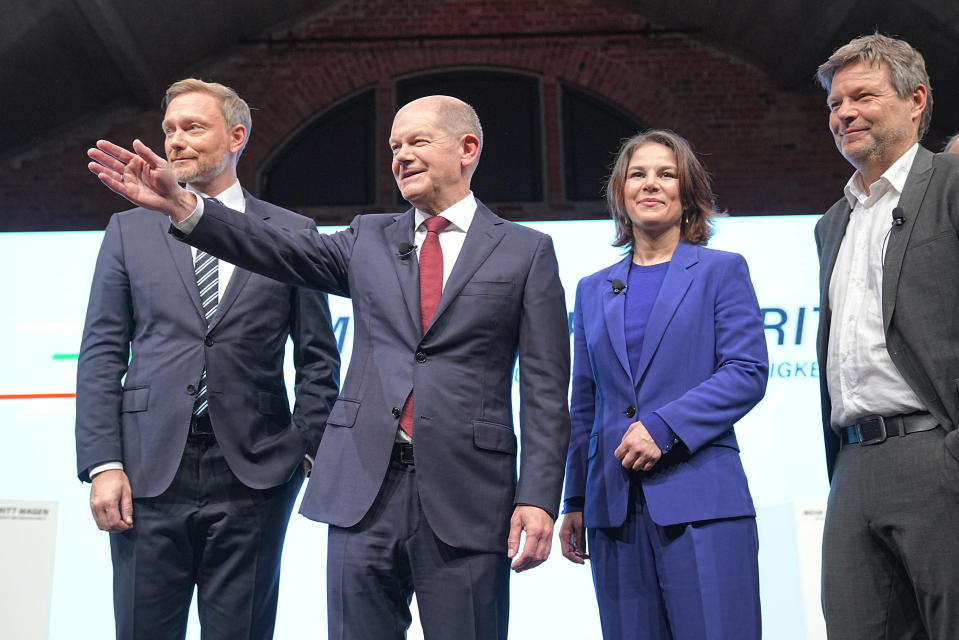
[207, 271]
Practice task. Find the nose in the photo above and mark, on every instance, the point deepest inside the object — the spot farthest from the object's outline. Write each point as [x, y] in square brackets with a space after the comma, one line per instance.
[650, 182]
[403, 153]
[175, 140]
[844, 110]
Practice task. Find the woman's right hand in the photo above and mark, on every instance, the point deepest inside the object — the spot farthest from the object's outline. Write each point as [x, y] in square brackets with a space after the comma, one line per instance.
[572, 537]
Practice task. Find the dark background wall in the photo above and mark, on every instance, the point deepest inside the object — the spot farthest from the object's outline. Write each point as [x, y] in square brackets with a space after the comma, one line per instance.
[744, 97]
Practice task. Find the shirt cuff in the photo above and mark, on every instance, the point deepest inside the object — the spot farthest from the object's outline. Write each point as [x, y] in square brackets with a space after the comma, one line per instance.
[574, 504]
[188, 224]
[659, 431]
[106, 466]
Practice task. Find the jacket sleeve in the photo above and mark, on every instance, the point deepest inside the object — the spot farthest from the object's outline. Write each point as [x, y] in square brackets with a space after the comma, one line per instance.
[104, 356]
[582, 411]
[316, 358]
[544, 383]
[708, 410]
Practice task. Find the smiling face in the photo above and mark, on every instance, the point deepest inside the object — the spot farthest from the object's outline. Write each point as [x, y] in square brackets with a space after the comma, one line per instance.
[651, 193]
[200, 148]
[432, 166]
[871, 125]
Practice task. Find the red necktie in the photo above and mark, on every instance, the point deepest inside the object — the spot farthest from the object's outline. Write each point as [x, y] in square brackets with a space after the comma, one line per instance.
[431, 289]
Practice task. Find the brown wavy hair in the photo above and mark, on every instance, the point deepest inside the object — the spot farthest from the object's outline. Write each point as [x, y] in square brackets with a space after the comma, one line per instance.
[695, 192]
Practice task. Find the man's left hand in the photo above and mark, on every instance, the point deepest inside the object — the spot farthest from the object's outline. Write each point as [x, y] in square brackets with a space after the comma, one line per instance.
[538, 526]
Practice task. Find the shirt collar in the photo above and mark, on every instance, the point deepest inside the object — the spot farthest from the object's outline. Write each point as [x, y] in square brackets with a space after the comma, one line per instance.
[460, 214]
[231, 197]
[895, 176]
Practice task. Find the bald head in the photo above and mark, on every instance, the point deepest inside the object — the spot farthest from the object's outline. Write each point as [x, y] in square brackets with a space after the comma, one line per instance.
[952, 146]
[453, 116]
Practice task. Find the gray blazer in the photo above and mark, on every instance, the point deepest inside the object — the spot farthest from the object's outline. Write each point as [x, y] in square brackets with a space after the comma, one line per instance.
[920, 291]
[145, 343]
[503, 299]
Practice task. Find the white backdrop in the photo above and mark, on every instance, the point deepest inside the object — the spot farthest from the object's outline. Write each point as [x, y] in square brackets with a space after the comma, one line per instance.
[40, 333]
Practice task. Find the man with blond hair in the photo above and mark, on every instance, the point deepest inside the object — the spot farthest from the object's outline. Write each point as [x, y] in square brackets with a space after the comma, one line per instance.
[183, 423]
[417, 471]
[889, 351]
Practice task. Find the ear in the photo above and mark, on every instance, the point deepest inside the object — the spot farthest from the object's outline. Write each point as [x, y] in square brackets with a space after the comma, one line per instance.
[919, 97]
[237, 138]
[470, 149]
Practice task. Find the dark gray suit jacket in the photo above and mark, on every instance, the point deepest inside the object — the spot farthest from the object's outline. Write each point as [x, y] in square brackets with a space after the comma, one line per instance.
[920, 291]
[503, 299]
[136, 408]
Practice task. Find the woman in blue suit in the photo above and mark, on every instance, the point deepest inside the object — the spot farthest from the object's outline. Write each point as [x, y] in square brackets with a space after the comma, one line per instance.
[669, 354]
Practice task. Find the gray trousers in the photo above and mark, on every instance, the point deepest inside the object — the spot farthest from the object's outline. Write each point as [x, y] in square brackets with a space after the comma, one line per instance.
[890, 555]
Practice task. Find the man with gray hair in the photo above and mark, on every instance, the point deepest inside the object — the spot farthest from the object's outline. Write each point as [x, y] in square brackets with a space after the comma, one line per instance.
[183, 424]
[888, 348]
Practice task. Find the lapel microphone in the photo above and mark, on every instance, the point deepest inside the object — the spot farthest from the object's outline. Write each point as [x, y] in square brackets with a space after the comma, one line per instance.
[618, 286]
[898, 219]
[405, 249]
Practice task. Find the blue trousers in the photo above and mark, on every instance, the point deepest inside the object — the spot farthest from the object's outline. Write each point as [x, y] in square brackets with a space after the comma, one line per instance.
[691, 581]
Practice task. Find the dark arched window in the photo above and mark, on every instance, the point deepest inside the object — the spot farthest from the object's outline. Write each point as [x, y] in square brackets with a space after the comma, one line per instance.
[508, 105]
[593, 131]
[331, 161]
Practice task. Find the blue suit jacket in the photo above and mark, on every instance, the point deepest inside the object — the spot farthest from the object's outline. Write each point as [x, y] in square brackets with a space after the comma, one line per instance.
[503, 299]
[136, 409]
[703, 366]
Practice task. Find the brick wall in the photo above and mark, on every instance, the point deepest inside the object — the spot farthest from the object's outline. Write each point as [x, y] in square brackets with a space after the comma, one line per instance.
[768, 149]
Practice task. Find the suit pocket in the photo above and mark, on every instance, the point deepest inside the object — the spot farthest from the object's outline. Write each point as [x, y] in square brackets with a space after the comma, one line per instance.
[135, 399]
[487, 288]
[593, 447]
[272, 404]
[343, 413]
[494, 437]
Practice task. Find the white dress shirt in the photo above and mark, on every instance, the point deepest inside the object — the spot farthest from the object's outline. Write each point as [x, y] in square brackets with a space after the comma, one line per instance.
[860, 376]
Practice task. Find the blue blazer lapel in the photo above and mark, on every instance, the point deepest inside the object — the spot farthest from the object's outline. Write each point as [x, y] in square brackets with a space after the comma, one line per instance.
[484, 234]
[910, 201]
[614, 310]
[182, 256]
[407, 269]
[675, 285]
[240, 276]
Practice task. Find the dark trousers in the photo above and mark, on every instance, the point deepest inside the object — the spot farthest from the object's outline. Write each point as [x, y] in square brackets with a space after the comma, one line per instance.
[890, 557]
[374, 567]
[210, 530]
[694, 581]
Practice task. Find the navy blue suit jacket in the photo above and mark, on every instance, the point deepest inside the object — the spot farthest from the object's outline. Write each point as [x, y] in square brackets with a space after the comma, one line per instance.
[503, 299]
[703, 367]
[136, 408]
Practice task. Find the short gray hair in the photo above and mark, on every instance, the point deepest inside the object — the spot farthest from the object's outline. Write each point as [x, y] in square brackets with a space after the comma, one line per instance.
[907, 69]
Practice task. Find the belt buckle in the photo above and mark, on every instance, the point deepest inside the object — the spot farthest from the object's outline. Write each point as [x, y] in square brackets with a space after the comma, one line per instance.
[871, 431]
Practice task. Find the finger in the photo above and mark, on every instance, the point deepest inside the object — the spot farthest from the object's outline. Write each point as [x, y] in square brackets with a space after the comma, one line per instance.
[105, 160]
[620, 451]
[115, 150]
[126, 507]
[535, 550]
[147, 154]
[512, 542]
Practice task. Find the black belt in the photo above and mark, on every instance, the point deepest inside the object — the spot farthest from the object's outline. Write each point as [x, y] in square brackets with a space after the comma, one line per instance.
[403, 453]
[875, 429]
[201, 429]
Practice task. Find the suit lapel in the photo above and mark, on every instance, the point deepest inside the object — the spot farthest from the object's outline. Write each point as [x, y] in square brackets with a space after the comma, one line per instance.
[407, 269]
[182, 257]
[675, 285]
[484, 234]
[910, 201]
[240, 277]
[614, 310]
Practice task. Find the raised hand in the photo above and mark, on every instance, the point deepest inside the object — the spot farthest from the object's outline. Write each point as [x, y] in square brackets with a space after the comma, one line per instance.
[140, 176]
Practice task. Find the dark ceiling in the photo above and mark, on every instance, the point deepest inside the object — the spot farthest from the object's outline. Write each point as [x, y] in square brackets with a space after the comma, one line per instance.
[64, 62]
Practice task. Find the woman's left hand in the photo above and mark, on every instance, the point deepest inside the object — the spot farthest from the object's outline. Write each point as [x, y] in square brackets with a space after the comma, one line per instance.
[638, 450]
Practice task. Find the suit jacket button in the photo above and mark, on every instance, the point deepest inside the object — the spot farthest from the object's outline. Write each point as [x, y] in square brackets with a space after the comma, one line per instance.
[396, 412]
[191, 389]
[208, 341]
[630, 411]
[420, 356]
